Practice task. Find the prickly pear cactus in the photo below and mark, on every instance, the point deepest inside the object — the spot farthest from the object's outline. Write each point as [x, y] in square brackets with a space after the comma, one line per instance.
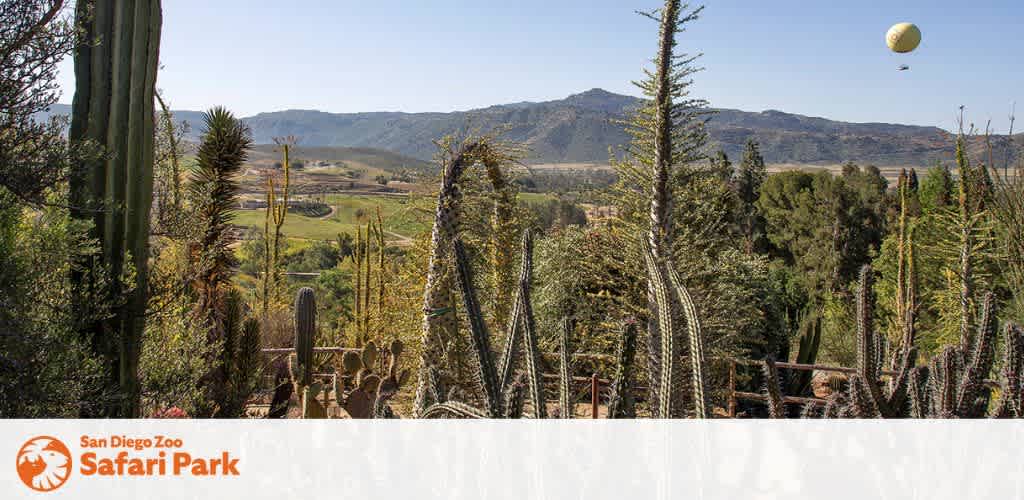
[362, 392]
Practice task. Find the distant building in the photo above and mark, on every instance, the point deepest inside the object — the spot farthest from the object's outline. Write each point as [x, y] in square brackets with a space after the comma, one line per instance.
[249, 204]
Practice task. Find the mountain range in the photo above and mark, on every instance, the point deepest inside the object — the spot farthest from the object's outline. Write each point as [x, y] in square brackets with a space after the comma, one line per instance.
[582, 127]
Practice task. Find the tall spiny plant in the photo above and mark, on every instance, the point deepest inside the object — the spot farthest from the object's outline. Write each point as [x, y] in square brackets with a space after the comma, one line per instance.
[213, 192]
[621, 402]
[301, 364]
[566, 403]
[671, 128]
[357, 303]
[277, 210]
[440, 323]
[174, 151]
[381, 258]
[966, 241]
[503, 394]
[115, 82]
[503, 235]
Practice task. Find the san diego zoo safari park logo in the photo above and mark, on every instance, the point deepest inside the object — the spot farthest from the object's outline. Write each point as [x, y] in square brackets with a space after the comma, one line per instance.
[44, 463]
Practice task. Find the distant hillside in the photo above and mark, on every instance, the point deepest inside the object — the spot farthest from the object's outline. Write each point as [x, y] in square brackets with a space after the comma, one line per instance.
[581, 128]
[369, 157]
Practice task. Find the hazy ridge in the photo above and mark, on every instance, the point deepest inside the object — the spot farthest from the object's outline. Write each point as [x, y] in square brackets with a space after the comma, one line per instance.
[582, 127]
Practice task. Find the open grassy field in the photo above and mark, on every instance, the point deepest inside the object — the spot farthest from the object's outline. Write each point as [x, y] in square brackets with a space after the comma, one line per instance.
[403, 215]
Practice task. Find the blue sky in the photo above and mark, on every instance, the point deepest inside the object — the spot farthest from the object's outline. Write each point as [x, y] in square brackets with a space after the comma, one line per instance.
[823, 58]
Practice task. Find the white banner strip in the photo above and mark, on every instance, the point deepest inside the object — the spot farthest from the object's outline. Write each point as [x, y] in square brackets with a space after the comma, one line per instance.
[536, 460]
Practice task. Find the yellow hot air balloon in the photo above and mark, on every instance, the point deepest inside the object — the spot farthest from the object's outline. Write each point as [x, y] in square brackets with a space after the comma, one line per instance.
[903, 37]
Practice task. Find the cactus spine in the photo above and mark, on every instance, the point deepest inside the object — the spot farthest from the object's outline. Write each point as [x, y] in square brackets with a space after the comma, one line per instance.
[114, 107]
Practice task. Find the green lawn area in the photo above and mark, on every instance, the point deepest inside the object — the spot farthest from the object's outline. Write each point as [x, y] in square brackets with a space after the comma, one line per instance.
[407, 216]
[403, 215]
[536, 197]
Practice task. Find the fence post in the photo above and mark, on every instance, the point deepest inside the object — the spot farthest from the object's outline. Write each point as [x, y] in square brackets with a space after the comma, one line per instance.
[595, 392]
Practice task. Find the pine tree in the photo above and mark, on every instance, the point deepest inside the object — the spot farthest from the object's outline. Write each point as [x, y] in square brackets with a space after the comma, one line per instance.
[936, 191]
[722, 166]
[747, 184]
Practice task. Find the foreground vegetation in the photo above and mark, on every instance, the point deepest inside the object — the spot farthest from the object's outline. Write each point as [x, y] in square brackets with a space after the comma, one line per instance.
[135, 286]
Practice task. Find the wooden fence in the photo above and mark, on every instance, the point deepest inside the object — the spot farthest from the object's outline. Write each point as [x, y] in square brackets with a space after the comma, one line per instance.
[595, 383]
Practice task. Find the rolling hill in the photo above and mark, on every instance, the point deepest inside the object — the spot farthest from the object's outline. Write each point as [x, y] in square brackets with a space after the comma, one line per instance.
[581, 128]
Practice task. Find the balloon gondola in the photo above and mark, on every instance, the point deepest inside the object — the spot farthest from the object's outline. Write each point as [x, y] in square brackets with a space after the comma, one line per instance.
[903, 38]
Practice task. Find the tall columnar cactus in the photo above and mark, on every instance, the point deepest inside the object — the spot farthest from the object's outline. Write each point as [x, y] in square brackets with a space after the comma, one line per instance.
[496, 385]
[773, 392]
[867, 396]
[662, 346]
[439, 320]
[621, 402]
[365, 322]
[675, 390]
[670, 382]
[972, 398]
[1011, 387]
[302, 365]
[503, 235]
[357, 304]
[566, 406]
[695, 336]
[486, 371]
[305, 333]
[966, 221]
[868, 372]
[954, 383]
[277, 211]
[115, 80]
[524, 311]
[381, 259]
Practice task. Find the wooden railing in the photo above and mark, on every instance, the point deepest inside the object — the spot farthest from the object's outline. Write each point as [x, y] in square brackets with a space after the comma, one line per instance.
[596, 383]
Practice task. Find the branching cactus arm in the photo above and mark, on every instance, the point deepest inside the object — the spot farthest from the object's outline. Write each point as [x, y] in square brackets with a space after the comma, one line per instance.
[486, 371]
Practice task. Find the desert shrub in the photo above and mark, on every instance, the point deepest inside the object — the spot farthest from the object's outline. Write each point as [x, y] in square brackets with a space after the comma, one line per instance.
[45, 369]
